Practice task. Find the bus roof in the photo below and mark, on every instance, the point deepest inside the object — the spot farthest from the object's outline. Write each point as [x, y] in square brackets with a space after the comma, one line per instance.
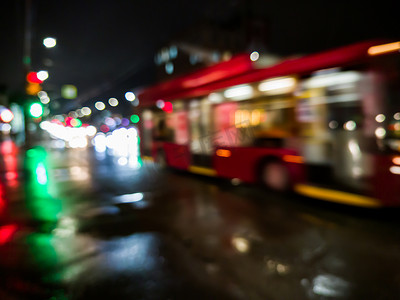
[240, 70]
[237, 65]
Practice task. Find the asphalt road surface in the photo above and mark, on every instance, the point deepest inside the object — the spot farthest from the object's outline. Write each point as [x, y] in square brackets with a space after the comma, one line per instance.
[81, 224]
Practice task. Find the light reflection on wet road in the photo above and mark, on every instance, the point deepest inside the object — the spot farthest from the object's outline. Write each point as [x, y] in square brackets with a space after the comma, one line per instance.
[76, 224]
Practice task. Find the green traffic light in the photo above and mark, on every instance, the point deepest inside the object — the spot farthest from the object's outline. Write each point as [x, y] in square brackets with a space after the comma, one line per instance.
[36, 110]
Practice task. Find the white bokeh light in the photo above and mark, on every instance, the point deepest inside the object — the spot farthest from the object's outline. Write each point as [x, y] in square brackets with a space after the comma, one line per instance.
[113, 101]
[100, 105]
[254, 56]
[130, 96]
[42, 75]
[49, 42]
[86, 111]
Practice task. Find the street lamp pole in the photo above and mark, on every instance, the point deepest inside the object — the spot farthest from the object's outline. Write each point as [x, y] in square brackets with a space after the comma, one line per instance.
[27, 49]
[27, 36]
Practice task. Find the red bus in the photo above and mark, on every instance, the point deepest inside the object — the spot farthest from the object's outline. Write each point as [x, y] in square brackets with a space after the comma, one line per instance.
[325, 125]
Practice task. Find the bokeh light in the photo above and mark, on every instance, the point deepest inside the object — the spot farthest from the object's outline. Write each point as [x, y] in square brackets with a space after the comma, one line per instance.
[6, 115]
[86, 111]
[91, 130]
[130, 96]
[160, 104]
[350, 125]
[124, 122]
[100, 105]
[36, 110]
[42, 75]
[49, 42]
[113, 101]
[254, 56]
[168, 107]
[135, 119]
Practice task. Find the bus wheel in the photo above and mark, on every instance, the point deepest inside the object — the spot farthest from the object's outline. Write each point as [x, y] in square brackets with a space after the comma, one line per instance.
[275, 176]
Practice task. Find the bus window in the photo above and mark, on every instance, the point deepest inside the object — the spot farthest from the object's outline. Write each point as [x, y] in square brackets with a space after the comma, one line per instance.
[226, 133]
[180, 127]
[277, 120]
[265, 122]
[385, 119]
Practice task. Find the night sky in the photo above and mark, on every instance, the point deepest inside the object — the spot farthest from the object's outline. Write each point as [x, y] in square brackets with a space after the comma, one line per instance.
[106, 47]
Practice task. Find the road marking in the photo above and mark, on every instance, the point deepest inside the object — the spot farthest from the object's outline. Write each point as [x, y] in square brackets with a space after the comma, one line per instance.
[336, 196]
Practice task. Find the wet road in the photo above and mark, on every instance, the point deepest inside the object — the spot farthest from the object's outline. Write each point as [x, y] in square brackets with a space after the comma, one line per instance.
[80, 224]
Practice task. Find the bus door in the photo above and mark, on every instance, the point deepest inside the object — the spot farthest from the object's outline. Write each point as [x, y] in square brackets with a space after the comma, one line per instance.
[147, 130]
[176, 137]
[201, 132]
[331, 120]
[156, 130]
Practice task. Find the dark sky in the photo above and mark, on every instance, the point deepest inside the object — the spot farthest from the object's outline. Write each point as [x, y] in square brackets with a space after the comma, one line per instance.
[105, 46]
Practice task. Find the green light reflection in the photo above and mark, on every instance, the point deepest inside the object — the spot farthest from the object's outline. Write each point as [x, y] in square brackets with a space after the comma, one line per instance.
[40, 203]
[42, 250]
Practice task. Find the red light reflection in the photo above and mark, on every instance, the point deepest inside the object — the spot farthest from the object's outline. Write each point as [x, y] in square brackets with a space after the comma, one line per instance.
[2, 200]
[9, 151]
[8, 147]
[6, 233]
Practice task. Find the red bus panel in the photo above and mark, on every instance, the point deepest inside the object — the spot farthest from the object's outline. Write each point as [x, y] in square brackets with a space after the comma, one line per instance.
[244, 163]
[177, 156]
